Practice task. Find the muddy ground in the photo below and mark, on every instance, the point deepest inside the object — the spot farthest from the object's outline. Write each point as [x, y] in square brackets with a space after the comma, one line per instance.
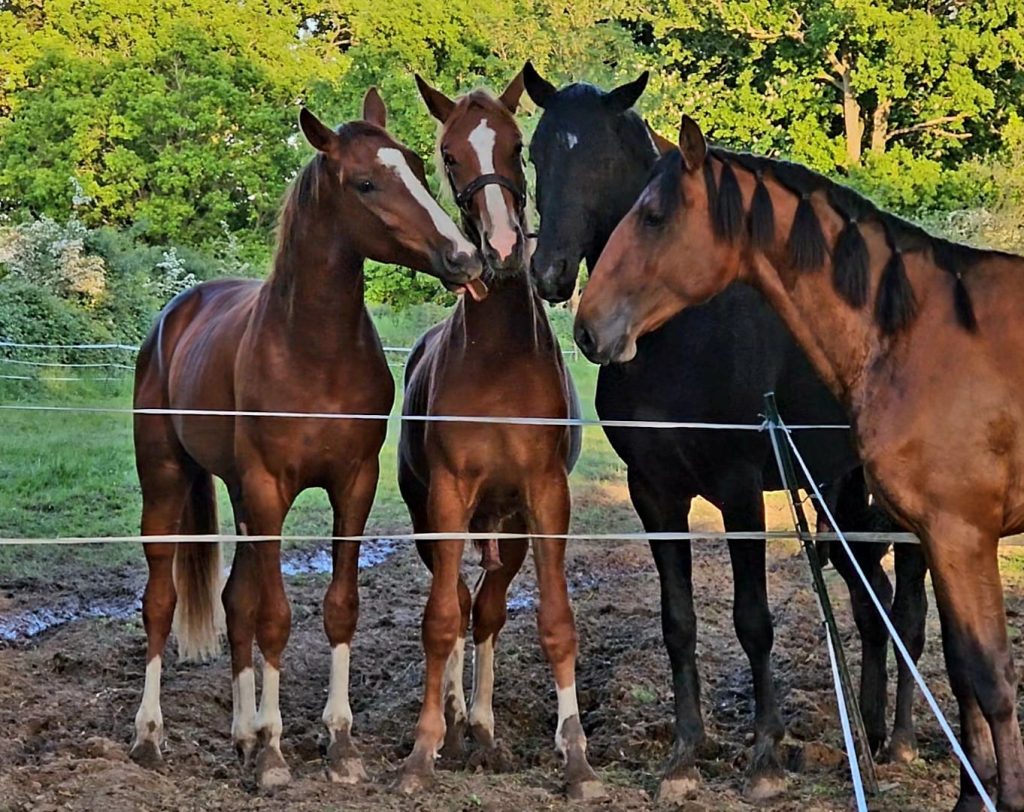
[68, 696]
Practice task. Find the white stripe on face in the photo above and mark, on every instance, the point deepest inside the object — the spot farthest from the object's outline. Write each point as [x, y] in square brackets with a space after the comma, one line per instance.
[394, 160]
[500, 231]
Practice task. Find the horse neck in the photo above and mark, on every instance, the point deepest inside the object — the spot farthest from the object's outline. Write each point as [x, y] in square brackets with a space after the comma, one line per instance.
[511, 319]
[840, 341]
[317, 283]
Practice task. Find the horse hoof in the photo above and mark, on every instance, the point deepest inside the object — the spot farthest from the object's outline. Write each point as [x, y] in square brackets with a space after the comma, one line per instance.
[590, 790]
[411, 782]
[146, 754]
[271, 770]
[678, 786]
[494, 759]
[764, 787]
[902, 749]
[346, 771]
[244, 750]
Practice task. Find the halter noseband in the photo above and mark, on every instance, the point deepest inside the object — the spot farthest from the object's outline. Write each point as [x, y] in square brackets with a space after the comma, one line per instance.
[465, 197]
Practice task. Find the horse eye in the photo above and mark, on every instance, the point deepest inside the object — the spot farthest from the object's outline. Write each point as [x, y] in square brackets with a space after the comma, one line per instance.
[448, 158]
[365, 186]
[652, 218]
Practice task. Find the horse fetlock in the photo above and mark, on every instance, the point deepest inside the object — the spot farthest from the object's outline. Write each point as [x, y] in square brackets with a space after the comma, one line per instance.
[481, 726]
[454, 744]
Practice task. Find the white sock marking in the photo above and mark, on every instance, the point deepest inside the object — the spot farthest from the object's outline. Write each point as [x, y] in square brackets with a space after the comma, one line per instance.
[453, 676]
[482, 711]
[337, 712]
[268, 718]
[243, 700]
[567, 708]
[501, 232]
[149, 721]
[395, 160]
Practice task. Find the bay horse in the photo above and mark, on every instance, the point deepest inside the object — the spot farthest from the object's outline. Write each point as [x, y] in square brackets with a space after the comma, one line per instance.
[919, 338]
[493, 356]
[300, 341]
[593, 155]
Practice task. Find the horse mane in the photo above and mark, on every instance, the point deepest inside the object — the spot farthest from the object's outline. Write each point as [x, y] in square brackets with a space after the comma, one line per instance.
[895, 304]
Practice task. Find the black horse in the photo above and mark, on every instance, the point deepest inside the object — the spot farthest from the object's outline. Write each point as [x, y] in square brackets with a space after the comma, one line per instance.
[593, 155]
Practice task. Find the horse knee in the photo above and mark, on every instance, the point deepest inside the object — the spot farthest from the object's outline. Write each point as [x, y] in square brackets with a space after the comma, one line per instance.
[754, 629]
[341, 613]
[557, 637]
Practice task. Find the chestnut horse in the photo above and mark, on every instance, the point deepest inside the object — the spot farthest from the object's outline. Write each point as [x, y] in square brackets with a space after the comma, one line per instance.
[920, 340]
[493, 356]
[300, 341]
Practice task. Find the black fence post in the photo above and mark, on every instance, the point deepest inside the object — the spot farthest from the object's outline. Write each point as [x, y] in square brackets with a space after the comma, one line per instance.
[783, 456]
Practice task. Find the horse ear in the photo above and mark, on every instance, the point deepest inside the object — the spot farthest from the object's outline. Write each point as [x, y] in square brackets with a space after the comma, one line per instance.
[625, 96]
[439, 105]
[537, 87]
[661, 143]
[510, 98]
[320, 136]
[692, 144]
[374, 110]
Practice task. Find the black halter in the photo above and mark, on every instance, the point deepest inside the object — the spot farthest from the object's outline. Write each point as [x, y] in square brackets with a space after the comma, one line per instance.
[465, 197]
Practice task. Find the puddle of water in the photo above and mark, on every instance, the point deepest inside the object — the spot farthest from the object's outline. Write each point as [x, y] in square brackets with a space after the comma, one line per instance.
[33, 622]
[520, 598]
[309, 562]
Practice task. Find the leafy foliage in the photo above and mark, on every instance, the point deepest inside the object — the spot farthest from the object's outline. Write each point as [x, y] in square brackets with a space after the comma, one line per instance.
[174, 120]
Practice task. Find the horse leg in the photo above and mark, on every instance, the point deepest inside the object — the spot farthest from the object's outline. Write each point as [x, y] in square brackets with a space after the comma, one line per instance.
[415, 496]
[265, 507]
[743, 509]
[852, 513]
[490, 610]
[341, 613]
[447, 511]
[968, 591]
[548, 500]
[452, 687]
[660, 512]
[909, 610]
[165, 489]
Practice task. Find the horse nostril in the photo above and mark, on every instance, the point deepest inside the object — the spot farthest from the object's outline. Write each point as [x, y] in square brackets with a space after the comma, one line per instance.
[584, 340]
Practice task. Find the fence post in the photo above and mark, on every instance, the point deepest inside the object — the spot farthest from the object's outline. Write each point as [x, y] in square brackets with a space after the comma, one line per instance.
[846, 698]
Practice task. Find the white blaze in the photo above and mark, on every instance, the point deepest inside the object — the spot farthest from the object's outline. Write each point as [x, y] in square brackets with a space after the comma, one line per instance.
[498, 225]
[338, 713]
[482, 712]
[571, 140]
[149, 710]
[395, 161]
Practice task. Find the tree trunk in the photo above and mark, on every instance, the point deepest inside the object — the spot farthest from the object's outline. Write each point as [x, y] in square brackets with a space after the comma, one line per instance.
[852, 124]
[880, 126]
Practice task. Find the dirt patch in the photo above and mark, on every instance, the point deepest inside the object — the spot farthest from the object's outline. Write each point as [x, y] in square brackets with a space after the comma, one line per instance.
[68, 698]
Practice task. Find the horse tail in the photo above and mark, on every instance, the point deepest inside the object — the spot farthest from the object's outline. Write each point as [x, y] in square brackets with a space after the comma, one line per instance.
[199, 614]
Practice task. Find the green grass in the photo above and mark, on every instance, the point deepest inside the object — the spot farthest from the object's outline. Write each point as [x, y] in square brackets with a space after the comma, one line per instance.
[73, 474]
